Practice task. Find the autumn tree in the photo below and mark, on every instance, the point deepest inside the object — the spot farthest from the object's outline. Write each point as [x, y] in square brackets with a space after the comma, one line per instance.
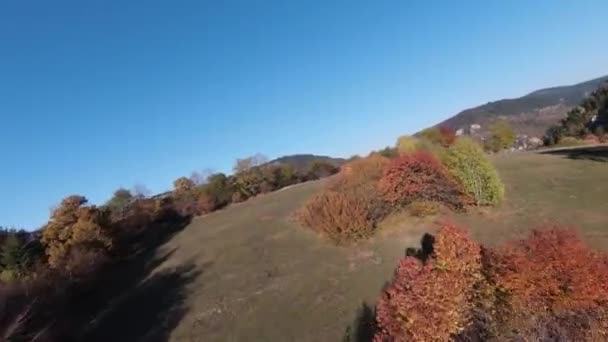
[183, 184]
[320, 169]
[502, 136]
[406, 144]
[75, 226]
[121, 198]
[245, 164]
[443, 136]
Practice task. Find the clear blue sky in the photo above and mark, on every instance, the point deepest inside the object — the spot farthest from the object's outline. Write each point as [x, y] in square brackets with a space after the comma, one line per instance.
[100, 94]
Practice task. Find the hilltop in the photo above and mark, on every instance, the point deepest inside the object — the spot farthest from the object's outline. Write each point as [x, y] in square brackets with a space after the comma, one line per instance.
[531, 114]
[303, 162]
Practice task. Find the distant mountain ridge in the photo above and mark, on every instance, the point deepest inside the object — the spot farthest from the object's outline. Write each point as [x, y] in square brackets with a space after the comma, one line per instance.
[303, 162]
[530, 114]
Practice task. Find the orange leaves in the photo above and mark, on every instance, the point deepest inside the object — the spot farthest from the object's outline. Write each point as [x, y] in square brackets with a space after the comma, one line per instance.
[552, 269]
[549, 285]
[431, 301]
[343, 216]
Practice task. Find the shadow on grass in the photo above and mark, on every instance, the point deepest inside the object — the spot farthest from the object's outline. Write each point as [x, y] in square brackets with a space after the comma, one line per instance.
[131, 300]
[363, 327]
[595, 153]
[426, 248]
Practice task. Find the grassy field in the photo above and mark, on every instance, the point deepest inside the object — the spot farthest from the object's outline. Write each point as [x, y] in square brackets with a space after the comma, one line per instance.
[248, 273]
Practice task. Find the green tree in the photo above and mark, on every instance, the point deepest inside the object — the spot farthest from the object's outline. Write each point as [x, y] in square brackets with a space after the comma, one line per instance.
[466, 161]
[502, 136]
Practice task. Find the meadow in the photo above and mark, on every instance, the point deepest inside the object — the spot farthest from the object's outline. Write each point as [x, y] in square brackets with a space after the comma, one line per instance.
[250, 272]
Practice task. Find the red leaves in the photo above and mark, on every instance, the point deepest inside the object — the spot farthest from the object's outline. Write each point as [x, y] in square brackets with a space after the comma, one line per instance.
[420, 176]
[448, 136]
[552, 269]
[431, 301]
[548, 285]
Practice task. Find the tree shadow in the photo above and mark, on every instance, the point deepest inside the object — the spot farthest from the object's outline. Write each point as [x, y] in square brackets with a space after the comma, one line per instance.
[363, 327]
[148, 312]
[594, 153]
[130, 300]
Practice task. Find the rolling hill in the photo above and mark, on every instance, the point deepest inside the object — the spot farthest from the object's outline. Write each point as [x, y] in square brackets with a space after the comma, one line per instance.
[303, 162]
[531, 114]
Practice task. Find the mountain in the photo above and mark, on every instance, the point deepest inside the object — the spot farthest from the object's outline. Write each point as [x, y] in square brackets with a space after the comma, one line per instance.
[303, 162]
[531, 114]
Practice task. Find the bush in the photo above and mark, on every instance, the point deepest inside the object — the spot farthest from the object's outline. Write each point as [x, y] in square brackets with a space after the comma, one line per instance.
[183, 184]
[425, 145]
[423, 208]
[361, 172]
[219, 188]
[431, 301]
[548, 287]
[120, 199]
[467, 162]
[420, 176]
[343, 216]
[73, 225]
[442, 136]
[406, 144]
[550, 273]
[388, 152]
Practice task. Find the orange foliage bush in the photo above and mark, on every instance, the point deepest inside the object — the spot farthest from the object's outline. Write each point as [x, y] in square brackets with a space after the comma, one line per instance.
[549, 287]
[552, 269]
[350, 208]
[342, 216]
[551, 277]
[431, 301]
[361, 172]
[73, 224]
[420, 176]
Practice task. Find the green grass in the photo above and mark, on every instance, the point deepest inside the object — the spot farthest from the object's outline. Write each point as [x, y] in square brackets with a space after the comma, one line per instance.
[261, 277]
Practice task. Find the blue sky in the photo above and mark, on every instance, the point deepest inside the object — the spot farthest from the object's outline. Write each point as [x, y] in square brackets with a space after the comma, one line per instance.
[95, 95]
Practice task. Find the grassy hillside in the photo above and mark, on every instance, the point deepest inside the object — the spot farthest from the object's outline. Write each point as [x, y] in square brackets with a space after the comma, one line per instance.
[531, 114]
[250, 273]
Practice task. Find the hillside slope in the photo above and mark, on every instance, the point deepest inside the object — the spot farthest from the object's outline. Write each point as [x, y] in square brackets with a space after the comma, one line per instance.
[531, 114]
[250, 273]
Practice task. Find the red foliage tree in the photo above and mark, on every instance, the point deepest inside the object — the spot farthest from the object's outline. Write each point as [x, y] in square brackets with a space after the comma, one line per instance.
[448, 136]
[431, 301]
[420, 176]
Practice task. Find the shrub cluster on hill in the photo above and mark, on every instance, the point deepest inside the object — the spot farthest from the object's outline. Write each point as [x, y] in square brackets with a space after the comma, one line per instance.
[351, 206]
[588, 120]
[437, 169]
[219, 190]
[47, 276]
[550, 286]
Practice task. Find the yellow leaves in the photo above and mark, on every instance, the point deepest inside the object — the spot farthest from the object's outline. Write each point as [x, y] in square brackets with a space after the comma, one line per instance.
[73, 224]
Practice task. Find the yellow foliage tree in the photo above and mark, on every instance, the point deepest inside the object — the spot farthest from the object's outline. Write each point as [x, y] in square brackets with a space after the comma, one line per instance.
[407, 144]
[73, 224]
[183, 184]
